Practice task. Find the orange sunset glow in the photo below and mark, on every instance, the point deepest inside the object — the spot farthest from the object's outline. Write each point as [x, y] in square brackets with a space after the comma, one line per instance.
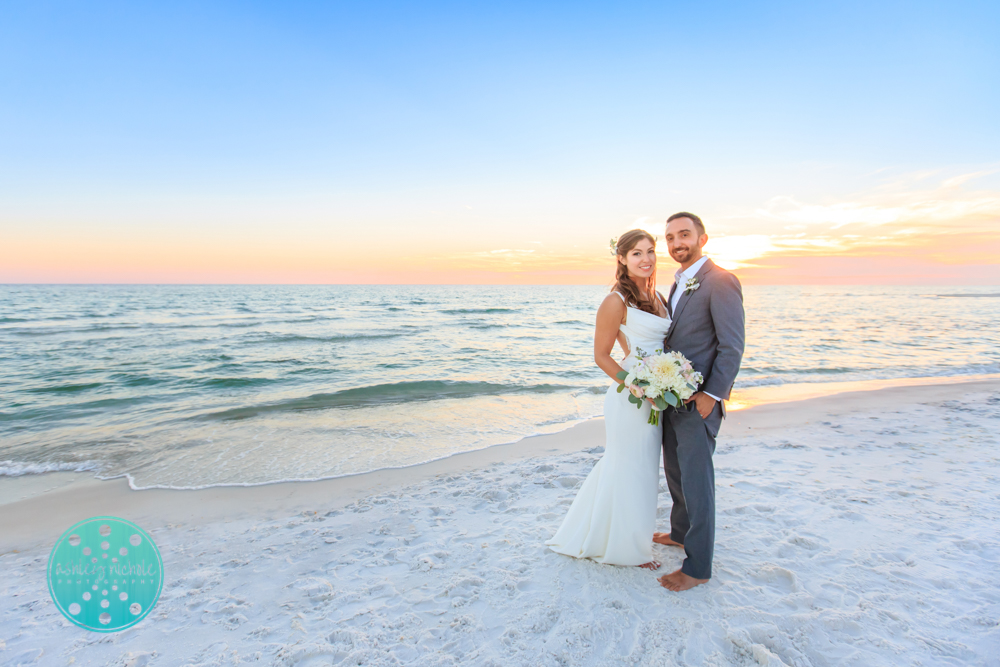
[918, 229]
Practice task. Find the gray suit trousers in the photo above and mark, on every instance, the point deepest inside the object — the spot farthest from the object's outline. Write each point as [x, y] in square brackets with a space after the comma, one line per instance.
[688, 446]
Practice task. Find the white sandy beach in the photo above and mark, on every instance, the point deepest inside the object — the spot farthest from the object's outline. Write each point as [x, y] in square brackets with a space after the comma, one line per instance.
[856, 529]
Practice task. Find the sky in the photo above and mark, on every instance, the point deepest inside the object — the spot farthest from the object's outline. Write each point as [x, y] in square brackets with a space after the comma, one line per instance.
[430, 142]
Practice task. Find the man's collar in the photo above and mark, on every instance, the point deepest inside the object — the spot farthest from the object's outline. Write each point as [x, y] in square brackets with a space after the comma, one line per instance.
[692, 270]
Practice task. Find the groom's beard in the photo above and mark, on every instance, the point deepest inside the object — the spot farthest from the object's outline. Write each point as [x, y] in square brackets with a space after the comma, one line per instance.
[681, 255]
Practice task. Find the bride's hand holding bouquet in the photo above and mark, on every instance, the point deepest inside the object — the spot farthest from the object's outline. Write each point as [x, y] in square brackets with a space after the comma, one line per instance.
[666, 379]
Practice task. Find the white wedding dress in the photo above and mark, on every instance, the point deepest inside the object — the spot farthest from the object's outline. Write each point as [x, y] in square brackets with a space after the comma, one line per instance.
[613, 517]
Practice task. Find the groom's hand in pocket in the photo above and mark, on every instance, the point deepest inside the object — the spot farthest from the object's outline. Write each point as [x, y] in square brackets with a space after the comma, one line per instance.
[703, 403]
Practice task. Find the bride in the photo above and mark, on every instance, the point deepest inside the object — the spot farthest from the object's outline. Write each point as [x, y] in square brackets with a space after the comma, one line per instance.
[613, 517]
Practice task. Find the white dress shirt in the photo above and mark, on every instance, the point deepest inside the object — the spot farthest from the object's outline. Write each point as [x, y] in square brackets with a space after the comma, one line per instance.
[682, 277]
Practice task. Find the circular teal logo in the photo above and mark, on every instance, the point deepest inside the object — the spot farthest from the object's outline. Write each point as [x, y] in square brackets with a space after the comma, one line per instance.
[105, 574]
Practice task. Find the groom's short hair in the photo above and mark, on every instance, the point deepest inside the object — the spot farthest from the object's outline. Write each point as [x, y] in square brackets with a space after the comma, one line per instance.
[695, 219]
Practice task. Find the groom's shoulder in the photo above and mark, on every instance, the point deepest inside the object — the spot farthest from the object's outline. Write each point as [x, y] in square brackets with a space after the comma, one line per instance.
[720, 276]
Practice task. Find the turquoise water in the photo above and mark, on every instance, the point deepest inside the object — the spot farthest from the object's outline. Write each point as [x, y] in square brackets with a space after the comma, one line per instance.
[192, 386]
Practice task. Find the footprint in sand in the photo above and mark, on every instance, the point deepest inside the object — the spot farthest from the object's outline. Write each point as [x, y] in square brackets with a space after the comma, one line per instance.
[777, 578]
[835, 595]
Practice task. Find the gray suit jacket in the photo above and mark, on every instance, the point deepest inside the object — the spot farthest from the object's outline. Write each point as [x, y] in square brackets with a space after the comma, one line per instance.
[708, 328]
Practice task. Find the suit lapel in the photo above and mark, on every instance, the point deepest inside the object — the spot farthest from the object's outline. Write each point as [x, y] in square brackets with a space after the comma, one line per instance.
[702, 272]
[670, 300]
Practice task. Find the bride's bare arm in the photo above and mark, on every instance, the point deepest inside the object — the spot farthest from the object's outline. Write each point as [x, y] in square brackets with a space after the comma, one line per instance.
[609, 318]
[623, 341]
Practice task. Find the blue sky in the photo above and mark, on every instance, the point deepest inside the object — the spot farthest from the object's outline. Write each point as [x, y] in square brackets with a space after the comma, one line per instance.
[549, 121]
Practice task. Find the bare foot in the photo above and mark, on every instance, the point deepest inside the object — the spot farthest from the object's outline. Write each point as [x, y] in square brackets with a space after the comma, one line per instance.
[651, 565]
[664, 538]
[678, 581]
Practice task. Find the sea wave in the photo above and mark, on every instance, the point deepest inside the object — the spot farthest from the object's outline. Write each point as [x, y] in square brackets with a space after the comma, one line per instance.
[336, 338]
[89, 329]
[42, 414]
[972, 296]
[478, 311]
[381, 394]
[65, 388]
[229, 383]
[138, 379]
[744, 381]
[18, 468]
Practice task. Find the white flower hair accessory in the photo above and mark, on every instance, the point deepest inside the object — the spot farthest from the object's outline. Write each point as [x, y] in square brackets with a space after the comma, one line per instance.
[691, 285]
[614, 244]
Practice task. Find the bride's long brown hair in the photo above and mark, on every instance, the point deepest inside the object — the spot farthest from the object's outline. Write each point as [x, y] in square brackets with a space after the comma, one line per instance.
[624, 284]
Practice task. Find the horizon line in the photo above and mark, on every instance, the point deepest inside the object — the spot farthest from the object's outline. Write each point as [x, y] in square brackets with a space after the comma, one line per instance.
[753, 284]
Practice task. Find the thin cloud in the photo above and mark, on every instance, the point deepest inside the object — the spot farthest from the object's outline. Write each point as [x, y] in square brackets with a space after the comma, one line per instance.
[906, 217]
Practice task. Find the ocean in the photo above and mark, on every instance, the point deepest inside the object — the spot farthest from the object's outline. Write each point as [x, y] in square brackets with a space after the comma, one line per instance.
[197, 386]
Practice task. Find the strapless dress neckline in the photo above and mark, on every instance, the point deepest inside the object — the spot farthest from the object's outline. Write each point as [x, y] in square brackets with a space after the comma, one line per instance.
[647, 312]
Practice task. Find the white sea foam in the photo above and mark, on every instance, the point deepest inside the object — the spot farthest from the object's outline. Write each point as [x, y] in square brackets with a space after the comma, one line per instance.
[18, 468]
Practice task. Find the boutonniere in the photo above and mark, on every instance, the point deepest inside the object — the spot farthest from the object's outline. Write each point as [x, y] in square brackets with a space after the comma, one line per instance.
[691, 285]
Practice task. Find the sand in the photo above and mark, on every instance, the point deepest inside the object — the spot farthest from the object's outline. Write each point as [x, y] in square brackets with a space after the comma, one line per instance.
[858, 528]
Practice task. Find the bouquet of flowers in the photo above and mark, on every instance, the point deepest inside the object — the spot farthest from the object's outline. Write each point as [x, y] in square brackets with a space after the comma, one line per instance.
[667, 378]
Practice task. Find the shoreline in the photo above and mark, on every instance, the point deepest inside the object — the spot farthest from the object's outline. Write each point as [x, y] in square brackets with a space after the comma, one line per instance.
[854, 528]
[38, 507]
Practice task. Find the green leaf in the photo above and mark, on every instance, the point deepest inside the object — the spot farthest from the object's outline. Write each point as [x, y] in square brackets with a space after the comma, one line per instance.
[621, 375]
[660, 403]
[633, 399]
[621, 388]
[671, 399]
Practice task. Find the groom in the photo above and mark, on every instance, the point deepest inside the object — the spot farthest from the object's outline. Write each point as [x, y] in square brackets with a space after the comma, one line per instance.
[706, 307]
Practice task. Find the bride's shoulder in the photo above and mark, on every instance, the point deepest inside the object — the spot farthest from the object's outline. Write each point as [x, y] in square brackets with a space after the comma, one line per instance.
[614, 296]
[613, 302]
